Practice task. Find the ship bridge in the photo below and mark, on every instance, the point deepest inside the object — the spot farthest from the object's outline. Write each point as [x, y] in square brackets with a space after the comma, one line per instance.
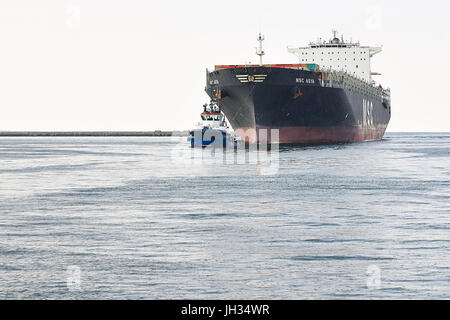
[212, 116]
[336, 54]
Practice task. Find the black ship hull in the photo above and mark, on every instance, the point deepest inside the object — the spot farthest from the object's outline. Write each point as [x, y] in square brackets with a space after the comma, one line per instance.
[299, 104]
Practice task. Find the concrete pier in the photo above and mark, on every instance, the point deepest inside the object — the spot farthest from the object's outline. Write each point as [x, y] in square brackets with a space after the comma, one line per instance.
[156, 133]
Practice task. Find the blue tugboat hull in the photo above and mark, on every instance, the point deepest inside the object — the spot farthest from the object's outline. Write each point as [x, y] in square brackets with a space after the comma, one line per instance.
[208, 137]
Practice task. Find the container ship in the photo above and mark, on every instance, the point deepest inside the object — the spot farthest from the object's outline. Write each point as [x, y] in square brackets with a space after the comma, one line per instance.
[327, 97]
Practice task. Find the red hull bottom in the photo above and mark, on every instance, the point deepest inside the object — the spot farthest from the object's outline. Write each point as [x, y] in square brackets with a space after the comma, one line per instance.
[314, 135]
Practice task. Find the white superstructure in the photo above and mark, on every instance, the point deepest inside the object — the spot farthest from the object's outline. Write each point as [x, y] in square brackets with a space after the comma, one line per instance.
[212, 118]
[339, 55]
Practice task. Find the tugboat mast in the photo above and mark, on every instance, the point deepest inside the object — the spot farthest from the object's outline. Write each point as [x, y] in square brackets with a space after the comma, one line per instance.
[260, 52]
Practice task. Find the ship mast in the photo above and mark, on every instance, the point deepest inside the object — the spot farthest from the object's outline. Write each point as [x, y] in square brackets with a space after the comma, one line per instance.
[260, 52]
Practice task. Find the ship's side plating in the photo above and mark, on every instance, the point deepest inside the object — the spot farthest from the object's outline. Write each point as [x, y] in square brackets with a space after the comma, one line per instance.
[305, 106]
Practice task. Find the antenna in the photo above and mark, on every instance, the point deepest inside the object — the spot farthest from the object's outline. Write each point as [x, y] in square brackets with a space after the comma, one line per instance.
[334, 34]
[260, 52]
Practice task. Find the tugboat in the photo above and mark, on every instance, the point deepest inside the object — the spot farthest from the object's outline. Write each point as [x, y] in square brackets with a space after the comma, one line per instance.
[213, 129]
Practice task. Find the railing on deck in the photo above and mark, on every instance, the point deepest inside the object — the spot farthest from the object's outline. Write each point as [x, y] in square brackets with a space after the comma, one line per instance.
[340, 79]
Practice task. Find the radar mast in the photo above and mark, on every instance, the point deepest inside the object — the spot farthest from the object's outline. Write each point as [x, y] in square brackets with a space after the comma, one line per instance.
[260, 52]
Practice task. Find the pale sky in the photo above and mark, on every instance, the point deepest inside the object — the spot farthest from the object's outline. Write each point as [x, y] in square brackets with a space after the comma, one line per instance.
[140, 65]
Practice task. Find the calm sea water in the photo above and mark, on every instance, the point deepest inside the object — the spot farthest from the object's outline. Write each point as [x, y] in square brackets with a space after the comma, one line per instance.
[138, 218]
